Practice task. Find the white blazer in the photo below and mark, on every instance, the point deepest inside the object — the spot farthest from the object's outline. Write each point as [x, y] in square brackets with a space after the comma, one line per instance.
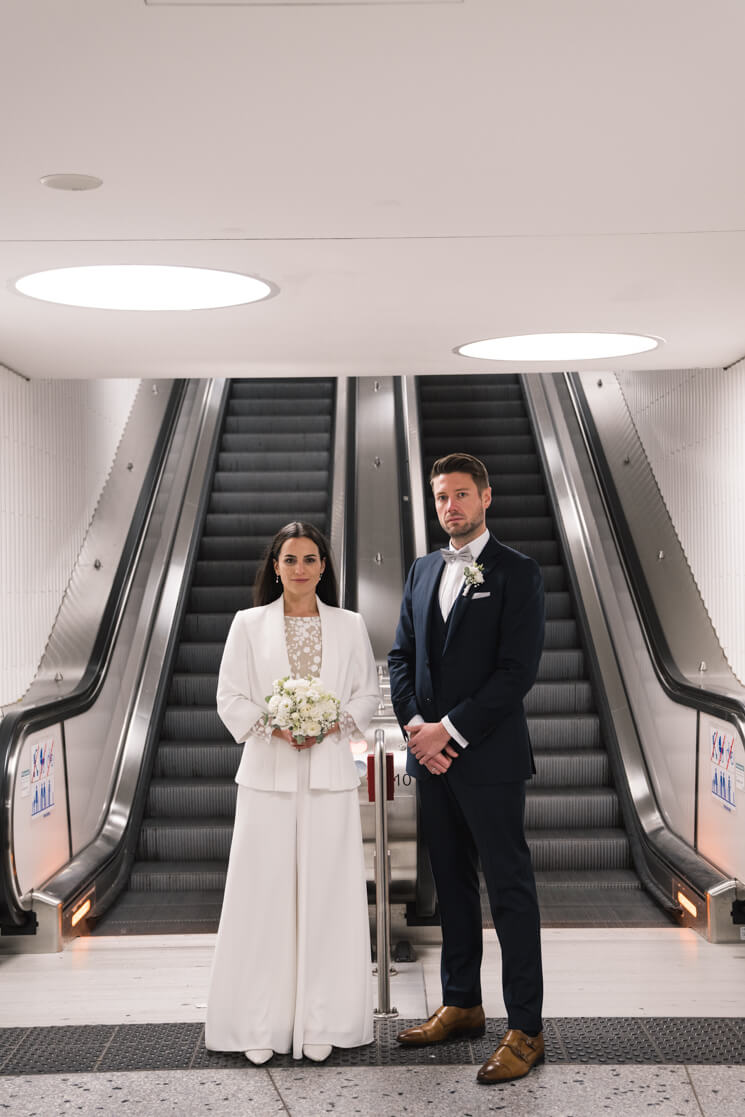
[255, 656]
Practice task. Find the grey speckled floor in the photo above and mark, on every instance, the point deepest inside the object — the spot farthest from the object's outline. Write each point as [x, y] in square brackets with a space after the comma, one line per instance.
[561, 1091]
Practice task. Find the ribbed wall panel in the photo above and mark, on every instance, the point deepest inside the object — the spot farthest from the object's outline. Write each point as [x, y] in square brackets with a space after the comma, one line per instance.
[690, 423]
[57, 444]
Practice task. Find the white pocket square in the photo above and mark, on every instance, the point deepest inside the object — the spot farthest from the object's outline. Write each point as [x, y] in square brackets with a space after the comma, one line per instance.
[487, 594]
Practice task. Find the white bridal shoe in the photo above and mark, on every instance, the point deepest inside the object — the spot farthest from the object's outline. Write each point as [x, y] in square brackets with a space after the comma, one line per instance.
[259, 1055]
[318, 1052]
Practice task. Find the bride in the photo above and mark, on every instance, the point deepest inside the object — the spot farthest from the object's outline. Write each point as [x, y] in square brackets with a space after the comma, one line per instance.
[291, 970]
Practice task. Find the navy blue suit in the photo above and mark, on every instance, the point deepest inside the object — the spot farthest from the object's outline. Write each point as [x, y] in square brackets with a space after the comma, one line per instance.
[477, 667]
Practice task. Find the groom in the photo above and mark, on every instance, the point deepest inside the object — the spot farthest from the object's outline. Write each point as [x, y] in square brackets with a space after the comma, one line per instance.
[466, 653]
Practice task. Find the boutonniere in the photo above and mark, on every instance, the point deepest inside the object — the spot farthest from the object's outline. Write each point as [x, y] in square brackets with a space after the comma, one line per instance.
[473, 576]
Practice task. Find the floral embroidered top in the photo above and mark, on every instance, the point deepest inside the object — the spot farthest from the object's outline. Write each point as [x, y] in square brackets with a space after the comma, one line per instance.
[303, 639]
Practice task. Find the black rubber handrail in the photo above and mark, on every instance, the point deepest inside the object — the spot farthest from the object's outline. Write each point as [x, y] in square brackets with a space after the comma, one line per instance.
[675, 684]
[662, 845]
[23, 721]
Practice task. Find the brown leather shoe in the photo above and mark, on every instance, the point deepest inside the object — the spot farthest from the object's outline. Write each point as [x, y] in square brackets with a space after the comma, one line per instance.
[448, 1022]
[516, 1055]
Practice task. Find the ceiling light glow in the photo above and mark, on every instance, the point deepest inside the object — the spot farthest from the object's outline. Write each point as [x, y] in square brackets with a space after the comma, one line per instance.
[143, 287]
[71, 182]
[558, 347]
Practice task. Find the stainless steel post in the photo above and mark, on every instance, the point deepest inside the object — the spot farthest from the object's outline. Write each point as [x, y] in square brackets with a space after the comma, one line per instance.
[382, 898]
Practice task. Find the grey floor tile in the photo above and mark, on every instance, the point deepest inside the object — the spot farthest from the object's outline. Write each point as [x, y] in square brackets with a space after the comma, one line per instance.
[577, 1091]
[720, 1090]
[226, 1093]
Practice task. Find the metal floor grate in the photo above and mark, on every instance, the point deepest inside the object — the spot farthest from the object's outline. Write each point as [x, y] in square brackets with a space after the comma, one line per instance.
[604, 1040]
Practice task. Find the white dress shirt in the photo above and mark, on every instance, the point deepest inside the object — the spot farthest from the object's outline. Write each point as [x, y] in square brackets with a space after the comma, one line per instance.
[451, 584]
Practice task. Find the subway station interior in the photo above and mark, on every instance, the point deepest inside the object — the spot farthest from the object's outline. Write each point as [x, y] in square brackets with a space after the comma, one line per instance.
[400, 180]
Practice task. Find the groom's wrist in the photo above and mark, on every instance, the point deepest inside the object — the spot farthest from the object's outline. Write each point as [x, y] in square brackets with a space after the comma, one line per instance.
[453, 732]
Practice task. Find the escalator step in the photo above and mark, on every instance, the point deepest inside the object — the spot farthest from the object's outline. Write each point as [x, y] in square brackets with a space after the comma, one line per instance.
[200, 657]
[480, 445]
[284, 506]
[191, 723]
[210, 627]
[273, 407]
[470, 409]
[291, 461]
[558, 606]
[598, 850]
[568, 663]
[554, 578]
[554, 732]
[265, 482]
[277, 390]
[571, 808]
[584, 768]
[560, 698]
[185, 839]
[621, 880]
[561, 634]
[486, 392]
[194, 798]
[193, 690]
[183, 760]
[279, 424]
[175, 876]
[221, 599]
[274, 443]
[507, 506]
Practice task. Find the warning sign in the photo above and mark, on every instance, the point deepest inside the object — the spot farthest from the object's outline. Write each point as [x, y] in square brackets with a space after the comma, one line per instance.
[42, 777]
[723, 767]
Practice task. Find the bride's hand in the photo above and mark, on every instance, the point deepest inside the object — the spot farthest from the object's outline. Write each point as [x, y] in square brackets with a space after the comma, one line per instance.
[298, 745]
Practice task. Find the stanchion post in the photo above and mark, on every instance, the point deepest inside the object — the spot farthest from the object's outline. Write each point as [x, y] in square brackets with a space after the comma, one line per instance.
[382, 897]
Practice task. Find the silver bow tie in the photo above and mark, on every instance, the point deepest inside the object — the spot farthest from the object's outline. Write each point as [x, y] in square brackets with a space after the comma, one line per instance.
[463, 555]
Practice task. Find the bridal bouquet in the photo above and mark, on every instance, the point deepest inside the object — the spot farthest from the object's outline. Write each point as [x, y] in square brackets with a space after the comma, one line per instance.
[302, 706]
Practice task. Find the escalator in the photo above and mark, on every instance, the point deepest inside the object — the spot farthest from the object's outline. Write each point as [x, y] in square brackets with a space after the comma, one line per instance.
[273, 465]
[581, 851]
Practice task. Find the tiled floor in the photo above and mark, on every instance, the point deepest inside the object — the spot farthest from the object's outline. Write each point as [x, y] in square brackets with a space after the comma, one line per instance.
[599, 973]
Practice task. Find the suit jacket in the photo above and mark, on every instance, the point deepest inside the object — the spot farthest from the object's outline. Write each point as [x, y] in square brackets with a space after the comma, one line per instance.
[489, 662]
[255, 656]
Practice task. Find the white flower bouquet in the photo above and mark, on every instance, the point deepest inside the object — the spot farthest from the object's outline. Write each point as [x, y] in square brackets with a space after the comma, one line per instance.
[302, 706]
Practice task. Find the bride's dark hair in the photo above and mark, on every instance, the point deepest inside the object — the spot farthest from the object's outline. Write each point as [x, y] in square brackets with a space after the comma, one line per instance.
[266, 586]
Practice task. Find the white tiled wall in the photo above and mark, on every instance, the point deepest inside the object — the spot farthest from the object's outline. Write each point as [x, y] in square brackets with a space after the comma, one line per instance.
[692, 426]
[57, 444]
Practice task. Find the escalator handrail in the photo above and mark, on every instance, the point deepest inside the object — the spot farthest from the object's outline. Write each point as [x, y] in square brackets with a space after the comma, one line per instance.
[675, 684]
[657, 838]
[19, 722]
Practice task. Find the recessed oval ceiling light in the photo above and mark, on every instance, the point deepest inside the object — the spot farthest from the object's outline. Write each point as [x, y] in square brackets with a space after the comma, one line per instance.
[143, 287]
[71, 182]
[558, 347]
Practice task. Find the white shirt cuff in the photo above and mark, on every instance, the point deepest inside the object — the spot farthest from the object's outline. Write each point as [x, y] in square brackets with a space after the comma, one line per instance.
[454, 732]
[416, 720]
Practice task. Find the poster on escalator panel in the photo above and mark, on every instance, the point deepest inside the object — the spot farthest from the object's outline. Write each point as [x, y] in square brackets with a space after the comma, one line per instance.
[42, 776]
[720, 832]
[40, 835]
[723, 767]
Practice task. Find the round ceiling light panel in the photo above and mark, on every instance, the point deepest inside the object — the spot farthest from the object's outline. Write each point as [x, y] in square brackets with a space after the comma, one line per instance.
[558, 347]
[71, 182]
[143, 287]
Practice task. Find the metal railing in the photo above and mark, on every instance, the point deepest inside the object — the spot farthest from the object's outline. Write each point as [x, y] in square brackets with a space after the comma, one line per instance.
[382, 890]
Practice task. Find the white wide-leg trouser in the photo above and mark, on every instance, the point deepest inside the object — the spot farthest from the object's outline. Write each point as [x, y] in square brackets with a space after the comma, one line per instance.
[292, 960]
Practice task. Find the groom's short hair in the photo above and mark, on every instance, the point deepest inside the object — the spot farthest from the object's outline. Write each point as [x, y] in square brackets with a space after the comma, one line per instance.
[462, 463]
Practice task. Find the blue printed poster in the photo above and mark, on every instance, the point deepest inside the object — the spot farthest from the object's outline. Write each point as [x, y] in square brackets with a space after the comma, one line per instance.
[42, 777]
[723, 768]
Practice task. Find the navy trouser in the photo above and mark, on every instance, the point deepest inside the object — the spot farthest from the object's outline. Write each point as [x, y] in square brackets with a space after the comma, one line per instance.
[462, 826]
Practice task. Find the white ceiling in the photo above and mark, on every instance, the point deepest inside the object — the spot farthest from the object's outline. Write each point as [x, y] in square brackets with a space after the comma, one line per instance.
[410, 175]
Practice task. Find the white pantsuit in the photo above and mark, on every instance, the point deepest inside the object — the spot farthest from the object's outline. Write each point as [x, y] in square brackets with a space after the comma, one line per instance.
[292, 961]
